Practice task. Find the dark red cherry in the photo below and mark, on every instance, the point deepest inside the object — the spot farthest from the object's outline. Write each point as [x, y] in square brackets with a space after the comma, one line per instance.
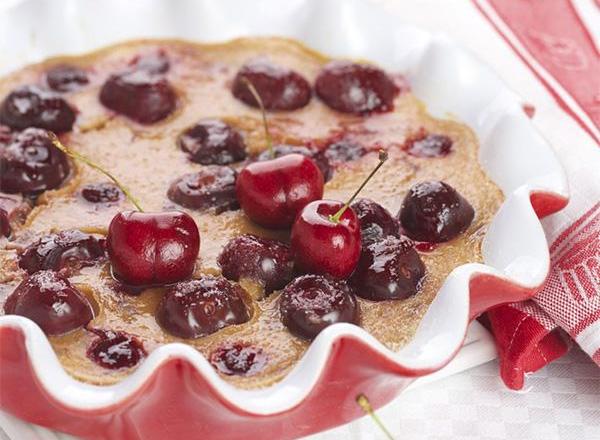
[312, 302]
[272, 192]
[355, 88]
[342, 151]
[239, 359]
[30, 106]
[196, 308]
[6, 136]
[212, 142]
[139, 95]
[376, 222]
[156, 63]
[115, 350]
[213, 187]
[281, 150]
[388, 269]
[13, 210]
[435, 212]
[264, 260]
[4, 223]
[31, 164]
[102, 193]
[152, 248]
[431, 145]
[278, 87]
[51, 302]
[69, 250]
[321, 245]
[65, 78]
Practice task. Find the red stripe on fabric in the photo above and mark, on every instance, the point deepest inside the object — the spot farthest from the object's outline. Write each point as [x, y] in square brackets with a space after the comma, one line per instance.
[554, 35]
[567, 232]
[585, 323]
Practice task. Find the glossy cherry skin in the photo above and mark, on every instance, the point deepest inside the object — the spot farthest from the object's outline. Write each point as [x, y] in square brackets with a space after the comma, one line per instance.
[211, 188]
[375, 221]
[239, 359]
[264, 260]
[281, 150]
[429, 145]
[196, 308]
[212, 142]
[31, 164]
[273, 192]
[102, 193]
[279, 88]
[388, 269]
[147, 249]
[435, 212]
[140, 95]
[311, 303]
[69, 250]
[355, 88]
[51, 302]
[64, 78]
[323, 246]
[14, 209]
[30, 106]
[115, 350]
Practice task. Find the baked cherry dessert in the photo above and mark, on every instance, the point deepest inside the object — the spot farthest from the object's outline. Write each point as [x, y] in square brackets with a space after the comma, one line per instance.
[176, 124]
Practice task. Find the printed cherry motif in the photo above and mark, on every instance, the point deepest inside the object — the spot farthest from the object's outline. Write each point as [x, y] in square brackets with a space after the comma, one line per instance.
[310, 303]
[355, 88]
[65, 78]
[434, 212]
[239, 359]
[212, 142]
[144, 248]
[51, 302]
[30, 106]
[326, 235]
[279, 88]
[115, 350]
[196, 308]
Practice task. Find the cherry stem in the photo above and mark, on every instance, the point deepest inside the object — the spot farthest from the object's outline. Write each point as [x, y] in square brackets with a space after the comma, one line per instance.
[365, 405]
[335, 218]
[258, 99]
[90, 163]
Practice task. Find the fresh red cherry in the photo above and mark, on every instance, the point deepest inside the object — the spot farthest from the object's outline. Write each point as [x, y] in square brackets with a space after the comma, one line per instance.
[31, 164]
[69, 250]
[355, 88]
[281, 150]
[196, 308]
[212, 142]
[433, 211]
[13, 210]
[310, 303]
[273, 192]
[388, 269]
[105, 193]
[326, 235]
[115, 350]
[51, 302]
[211, 188]
[64, 78]
[152, 248]
[429, 145]
[30, 106]
[140, 95]
[376, 222]
[239, 359]
[279, 88]
[266, 261]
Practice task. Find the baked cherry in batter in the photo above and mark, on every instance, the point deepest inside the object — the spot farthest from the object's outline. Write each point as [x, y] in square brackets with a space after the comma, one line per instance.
[106, 193]
[65, 78]
[429, 145]
[14, 209]
[280, 88]
[4, 223]
[31, 164]
[264, 260]
[51, 302]
[388, 269]
[196, 308]
[70, 250]
[433, 211]
[375, 221]
[115, 350]
[239, 359]
[31, 106]
[355, 88]
[311, 303]
[212, 142]
[342, 151]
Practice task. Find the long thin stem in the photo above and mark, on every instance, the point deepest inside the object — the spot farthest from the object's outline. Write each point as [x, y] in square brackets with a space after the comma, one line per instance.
[365, 405]
[383, 156]
[263, 112]
[90, 163]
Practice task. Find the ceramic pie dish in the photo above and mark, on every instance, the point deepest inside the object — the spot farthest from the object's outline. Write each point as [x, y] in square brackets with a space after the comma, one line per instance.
[176, 392]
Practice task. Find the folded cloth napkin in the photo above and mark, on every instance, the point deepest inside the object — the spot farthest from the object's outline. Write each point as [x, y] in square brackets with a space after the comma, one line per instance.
[560, 42]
